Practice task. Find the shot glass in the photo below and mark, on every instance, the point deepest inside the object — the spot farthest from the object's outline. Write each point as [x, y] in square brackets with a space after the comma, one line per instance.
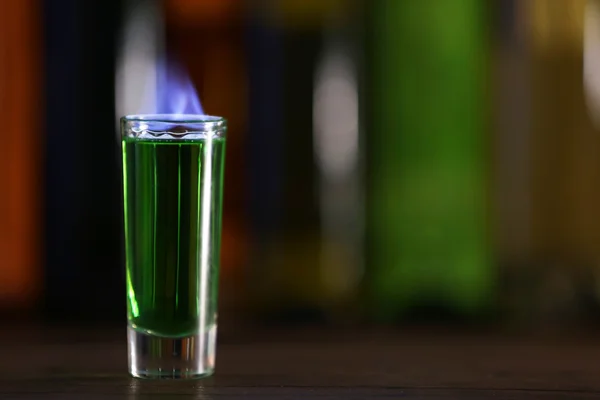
[172, 193]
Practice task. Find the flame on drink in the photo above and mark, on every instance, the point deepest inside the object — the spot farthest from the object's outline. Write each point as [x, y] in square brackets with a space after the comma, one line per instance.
[175, 92]
[148, 81]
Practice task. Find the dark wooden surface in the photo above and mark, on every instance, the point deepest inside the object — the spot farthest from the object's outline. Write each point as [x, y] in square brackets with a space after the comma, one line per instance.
[43, 363]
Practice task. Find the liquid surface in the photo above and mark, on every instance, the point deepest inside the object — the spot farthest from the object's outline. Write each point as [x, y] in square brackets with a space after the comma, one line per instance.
[172, 194]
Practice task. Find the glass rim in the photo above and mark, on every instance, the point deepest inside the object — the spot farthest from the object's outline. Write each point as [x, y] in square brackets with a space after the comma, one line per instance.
[159, 124]
[175, 118]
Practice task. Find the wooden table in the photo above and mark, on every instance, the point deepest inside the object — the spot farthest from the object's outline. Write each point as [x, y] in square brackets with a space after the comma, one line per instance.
[91, 364]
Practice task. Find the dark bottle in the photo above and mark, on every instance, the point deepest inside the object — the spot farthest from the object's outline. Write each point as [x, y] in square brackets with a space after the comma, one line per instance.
[305, 160]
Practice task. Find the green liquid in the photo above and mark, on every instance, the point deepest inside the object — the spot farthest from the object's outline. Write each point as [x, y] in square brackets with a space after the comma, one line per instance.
[172, 195]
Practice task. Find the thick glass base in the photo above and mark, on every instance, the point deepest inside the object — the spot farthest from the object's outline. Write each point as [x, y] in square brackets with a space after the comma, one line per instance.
[157, 357]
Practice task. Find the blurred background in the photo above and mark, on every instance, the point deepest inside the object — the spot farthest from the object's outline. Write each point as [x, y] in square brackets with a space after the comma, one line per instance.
[389, 162]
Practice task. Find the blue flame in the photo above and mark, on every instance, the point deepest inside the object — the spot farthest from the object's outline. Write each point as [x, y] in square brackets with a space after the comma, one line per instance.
[175, 92]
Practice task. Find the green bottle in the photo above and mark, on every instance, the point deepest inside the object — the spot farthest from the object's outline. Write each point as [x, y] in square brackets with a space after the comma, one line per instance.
[428, 158]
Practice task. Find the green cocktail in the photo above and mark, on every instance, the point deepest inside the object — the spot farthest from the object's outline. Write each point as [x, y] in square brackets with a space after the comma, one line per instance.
[172, 179]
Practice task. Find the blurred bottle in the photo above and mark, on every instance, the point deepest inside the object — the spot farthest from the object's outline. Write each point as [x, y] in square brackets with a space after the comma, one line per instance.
[429, 160]
[207, 37]
[84, 274]
[554, 283]
[512, 153]
[20, 155]
[511, 77]
[305, 159]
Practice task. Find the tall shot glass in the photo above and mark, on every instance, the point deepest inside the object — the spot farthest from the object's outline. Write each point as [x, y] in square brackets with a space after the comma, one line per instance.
[172, 193]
